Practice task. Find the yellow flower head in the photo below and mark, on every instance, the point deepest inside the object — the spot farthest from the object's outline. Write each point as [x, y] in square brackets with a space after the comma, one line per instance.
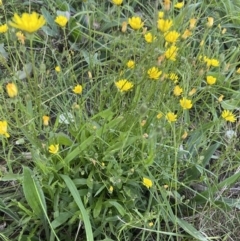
[149, 37]
[185, 103]
[117, 2]
[29, 22]
[110, 189]
[220, 99]
[179, 5]
[171, 53]
[192, 23]
[164, 25]
[11, 90]
[159, 115]
[171, 117]
[3, 128]
[147, 182]
[154, 73]
[173, 77]
[57, 68]
[160, 14]
[214, 62]
[20, 36]
[135, 23]
[211, 80]
[210, 21]
[186, 34]
[171, 36]
[61, 20]
[78, 89]
[228, 116]
[45, 119]
[124, 85]
[177, 90]
[3, 28]
[131, 64]
[53, 149]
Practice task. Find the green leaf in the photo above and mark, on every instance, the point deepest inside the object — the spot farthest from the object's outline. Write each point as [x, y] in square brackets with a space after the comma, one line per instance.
[73, 190]
[61, 219]
[8, 211]
[191, 230]
[98, 207]
[33, 193]
[119, 207]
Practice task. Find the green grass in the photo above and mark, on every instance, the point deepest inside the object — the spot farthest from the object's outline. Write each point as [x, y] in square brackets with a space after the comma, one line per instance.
[109, 140]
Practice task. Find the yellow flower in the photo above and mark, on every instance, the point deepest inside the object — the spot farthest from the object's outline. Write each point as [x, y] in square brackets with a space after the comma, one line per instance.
[220, 99]
[150, 224]
[57, 68]
[210, 21]
[160, 14]
[186, 34]
[1, 3]
[77, 89]
[192, 23]
[61, 20]
[177, 90]
[173, 77]
[179, 5]
[147, 182]
[172, 36]
[45, 119]
[211, 80]
[228, 116]
[124, 26]
[154, 73]
[53, 149]
[159, 115]
[3, 28]
[29, 22]
[185, 103]
[164, 25]
[124, 85]
[214, 62]
[20, 36]
[192, 92]
[131, 64]
[110, 189]
[117, 2]
[135, 23]
[11, 90]
[211, 62]
[171, 117]
[3, 128]
[171, 53]
[149, 37]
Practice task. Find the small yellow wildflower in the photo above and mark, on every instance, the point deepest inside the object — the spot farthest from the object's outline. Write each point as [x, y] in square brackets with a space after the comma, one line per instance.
[149, 37]
[173, 77]
[184, 136]
[228, 116]
[124, 26]
[135, 23]
[110, 189]
[78, 89]
[186, 34]
[11, 90]
[171, 117]
[165, 186]
[154, 73]
[192, 23]
[211, 80]
[53, 149]
[1, 3]
[214, 62]
[177, 90]
[164, 25]
[3, 28]
[117, 2]
[179, 5]
[171, 53]
[147, 182]
[160, 14]
[20, 36]
[124, 85]
[61, 20]
[29, 22]
[143, 122]
[150, 224]
[185, 103]
[224, 31]
[192, 91]
[3, 128]
[210, 21]
[57, 68]
[220, 99]
[45, 119]
[131, 64]
[211, 62]
[171, 36]
[159, 115]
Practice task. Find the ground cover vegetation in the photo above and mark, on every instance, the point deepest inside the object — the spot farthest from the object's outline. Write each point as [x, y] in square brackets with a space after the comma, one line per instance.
[119, 120]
